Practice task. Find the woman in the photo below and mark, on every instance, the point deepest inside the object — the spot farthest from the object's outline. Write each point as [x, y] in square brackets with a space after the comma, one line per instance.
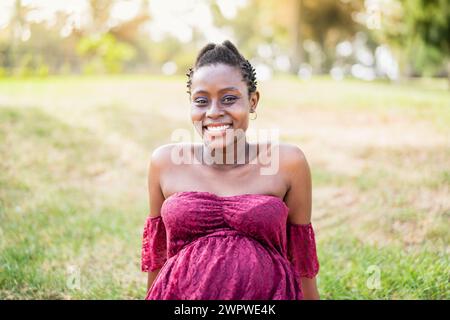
[218, 228]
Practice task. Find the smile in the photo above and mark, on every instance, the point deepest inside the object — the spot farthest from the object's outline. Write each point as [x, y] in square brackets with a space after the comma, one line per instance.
[217, 128]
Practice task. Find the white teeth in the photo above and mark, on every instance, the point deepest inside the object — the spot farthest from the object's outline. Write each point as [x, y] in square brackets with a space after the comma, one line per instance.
[218, 128]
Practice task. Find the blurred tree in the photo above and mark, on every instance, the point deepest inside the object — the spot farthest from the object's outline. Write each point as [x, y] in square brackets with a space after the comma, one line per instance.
[286, 24]
[130, 32]
[328, 22]
[283, 34]
[126, 34]
[18, 30]
[428, 23]
[420, 30]
[105, 53]
[30, 47]
[248, 25]
[100, 13]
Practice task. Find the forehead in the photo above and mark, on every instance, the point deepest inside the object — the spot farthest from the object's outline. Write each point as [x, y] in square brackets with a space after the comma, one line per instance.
[216, 77]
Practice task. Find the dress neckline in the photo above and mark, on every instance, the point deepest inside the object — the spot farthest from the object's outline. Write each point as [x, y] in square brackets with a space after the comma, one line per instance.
[229, 196]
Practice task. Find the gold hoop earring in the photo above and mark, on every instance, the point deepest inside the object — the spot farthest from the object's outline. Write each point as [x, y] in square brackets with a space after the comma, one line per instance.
[256, 115]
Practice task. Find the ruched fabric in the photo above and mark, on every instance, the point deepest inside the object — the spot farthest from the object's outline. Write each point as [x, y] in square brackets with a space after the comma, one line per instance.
[241, 247]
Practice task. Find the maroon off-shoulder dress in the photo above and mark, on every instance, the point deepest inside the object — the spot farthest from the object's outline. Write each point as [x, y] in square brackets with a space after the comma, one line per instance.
[241, 247]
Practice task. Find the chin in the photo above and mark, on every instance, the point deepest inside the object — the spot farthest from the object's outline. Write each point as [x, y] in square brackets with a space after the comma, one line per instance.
[219, 143]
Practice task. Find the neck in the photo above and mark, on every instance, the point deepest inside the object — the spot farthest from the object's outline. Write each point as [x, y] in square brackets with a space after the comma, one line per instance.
[229, 157]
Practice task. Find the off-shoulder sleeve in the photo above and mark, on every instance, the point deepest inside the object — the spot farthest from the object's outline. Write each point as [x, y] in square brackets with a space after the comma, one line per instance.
[154, 245]
[301, 249]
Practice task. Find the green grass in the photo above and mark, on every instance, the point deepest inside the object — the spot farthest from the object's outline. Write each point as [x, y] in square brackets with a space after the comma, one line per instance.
[350, 270]
[73, 200]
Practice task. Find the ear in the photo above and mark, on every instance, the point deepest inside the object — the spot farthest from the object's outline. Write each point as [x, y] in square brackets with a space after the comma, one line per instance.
[254, 98]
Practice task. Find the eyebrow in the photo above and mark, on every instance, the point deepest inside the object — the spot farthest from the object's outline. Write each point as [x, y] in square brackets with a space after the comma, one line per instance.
[221, 90]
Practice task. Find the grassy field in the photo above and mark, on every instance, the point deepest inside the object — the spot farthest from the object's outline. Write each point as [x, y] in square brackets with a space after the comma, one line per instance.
[73, 199]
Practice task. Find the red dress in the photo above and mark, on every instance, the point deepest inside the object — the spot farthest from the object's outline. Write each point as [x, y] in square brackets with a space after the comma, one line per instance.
[241, 247]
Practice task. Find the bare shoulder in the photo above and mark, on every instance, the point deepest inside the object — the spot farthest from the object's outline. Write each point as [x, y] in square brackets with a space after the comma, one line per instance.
[292, 158]
[163, 156]
[159, 165]
[296, 170]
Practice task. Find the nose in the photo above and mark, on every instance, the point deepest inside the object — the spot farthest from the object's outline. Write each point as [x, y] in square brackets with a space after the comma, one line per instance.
[214, 111]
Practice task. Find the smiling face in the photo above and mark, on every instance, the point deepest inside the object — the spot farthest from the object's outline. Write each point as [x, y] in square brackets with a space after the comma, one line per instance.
[220, 104]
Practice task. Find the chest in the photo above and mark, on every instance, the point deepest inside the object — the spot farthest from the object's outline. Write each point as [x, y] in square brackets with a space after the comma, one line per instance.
[243, 180]
[191, 214]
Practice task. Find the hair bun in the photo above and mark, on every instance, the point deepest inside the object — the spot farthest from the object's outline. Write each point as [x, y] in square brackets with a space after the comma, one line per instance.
[226, 53]
[228, 44]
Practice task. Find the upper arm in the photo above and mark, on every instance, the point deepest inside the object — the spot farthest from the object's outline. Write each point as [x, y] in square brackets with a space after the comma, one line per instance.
[298, 197]
[158, 163]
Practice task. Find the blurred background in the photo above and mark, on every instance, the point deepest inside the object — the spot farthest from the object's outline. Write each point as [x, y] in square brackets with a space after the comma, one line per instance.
[88, 89]
[386, 39]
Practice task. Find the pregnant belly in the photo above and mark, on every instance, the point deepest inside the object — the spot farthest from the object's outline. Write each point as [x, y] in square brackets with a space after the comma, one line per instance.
[226, 265]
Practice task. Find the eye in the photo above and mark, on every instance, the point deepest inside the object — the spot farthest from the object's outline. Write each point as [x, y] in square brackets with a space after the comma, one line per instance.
[229, 99]
[200, 101]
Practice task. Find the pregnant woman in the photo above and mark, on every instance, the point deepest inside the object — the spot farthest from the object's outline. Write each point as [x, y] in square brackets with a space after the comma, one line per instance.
[218, 227]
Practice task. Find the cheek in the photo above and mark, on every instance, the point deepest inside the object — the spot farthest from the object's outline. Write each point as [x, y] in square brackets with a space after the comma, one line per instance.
[196, 114]
[240, 116]
[196, 118]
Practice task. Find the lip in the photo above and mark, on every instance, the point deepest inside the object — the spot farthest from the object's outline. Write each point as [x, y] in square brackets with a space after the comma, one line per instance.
[217, 124]
[217, 133]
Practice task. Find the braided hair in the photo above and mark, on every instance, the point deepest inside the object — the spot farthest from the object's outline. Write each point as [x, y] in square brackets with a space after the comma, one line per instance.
[228, 54]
